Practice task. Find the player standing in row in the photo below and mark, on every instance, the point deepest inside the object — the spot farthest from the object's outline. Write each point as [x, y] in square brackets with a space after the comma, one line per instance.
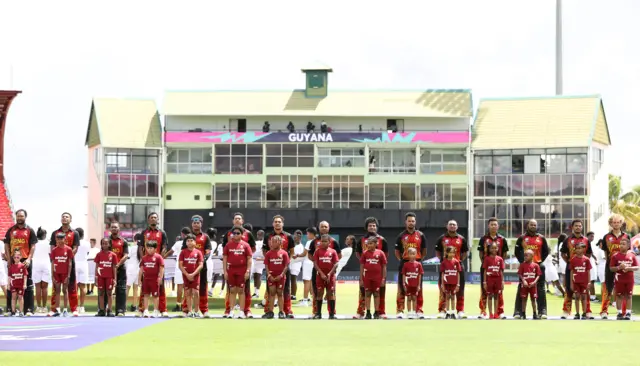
[276, 261]
[236, 263]
[373, 273]
[202, 245]
[133, 268]
[568, 252]
[490, 238]
[287, 244]
[412, 273]
[105, 277]
[191, 265]
[62, 272]
[537, 243]
[459, 243]
[247, 236]
[82, 268]
[177, 277]
[580, 273]
[295, 265]
[610, 245]
[72, 240]
[409, 238]
[157, 235]
[493, 278]
[623, 264]
[120, 247]
[313, 246]
[18, 273]
[307, 267]
[371, 225]
[21, 236]
[258, 264]
[450, 279]
[42, 270]
[325, 260]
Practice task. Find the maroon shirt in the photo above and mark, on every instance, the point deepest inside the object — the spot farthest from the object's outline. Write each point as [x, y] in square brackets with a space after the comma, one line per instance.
[237, 253]
[373, 263]
[106, 263]
[450, 269]
[150, 266]
[529, 271]
[326, 259]
[276, 261]
[630, 260]
[493, 267]
[61, 258]
[190, 259]
[411, 272]
[580, 267]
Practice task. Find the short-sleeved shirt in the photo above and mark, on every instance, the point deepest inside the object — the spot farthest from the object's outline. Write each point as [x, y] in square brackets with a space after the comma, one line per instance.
[22, 238]
[18, 272]
[61, 258]
[529, 271]
[450, 269]
[150, 265]
[611, 243]
[361, 245]
[571, 243]
[535, 243]
[237, 253]
[119, 247]
[630, 260]
[72, 239]
[325, 259]
[493, 267]
[106, 263]
[580, 266]
[407, 240]
[373, 262]
[276, 261]
[190, 259]
[247, 237]
[203, 243]
[500, 241]
[82, 253]
[458, 242]
[411, 272]
[287, 241]
[315, 245]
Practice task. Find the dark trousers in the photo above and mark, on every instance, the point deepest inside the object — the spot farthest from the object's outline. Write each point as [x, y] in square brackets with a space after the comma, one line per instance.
[542, 296]
[121, 290]
[28, 293]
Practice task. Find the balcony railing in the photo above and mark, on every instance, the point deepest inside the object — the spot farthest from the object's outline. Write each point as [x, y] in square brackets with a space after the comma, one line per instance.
[304, 130]
[392, 170]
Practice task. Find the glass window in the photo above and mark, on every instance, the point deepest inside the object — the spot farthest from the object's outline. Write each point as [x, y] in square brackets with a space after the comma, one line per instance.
[392, 161]
[567, 184]
[254, 149]
[528, 185]
[274, 149]
[483, 165]
[340, 157]
[556, 163]
[518, 163]
[223, 150]
[490, 185]
[459, 193]
[289, 150]
[502, 185]
[577, 163]
[502, 164]
[273, 161]
[533, 164]
[579, 185]
[517, 187]
[376, 196]
[539, 185]
[222, 192]
[479, 187]
[153, 164]
[238, 150]
[392, 195]
[305, 150]
[223, 165]
[555, 185]
[408, 195]
[195, 155]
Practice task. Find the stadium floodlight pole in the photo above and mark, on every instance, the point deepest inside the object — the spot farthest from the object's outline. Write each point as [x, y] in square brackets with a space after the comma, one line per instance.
[558, 47]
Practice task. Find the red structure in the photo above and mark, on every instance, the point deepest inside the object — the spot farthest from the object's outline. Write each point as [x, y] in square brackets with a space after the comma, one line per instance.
[6, 213]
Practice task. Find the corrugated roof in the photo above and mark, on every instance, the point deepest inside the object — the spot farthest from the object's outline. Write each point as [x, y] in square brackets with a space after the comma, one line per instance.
[543, 122]
[428, 103]
[124, 123]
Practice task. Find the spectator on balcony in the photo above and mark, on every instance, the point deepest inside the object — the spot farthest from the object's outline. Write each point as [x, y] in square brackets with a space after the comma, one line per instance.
[266, 126]
[310, 127]
[323, 127]
[291, 128]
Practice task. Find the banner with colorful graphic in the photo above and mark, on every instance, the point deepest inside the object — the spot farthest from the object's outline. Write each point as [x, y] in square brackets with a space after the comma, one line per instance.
[450, 137]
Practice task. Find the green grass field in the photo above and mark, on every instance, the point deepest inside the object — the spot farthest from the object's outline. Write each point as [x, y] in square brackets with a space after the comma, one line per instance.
[301, 342]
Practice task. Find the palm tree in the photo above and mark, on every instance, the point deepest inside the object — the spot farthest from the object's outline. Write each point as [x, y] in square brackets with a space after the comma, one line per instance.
[626, 204]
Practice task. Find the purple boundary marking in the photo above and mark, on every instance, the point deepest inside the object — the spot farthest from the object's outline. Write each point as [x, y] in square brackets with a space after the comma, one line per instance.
[66, 334]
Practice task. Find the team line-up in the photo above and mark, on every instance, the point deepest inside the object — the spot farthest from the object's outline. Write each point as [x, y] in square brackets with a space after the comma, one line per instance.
[31, 259]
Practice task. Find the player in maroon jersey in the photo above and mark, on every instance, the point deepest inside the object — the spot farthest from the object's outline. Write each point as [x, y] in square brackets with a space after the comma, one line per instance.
[409, 238]
[21, 236]
[276, 261]
[412, 273]
[580, 277]
[287, 244]
[105, 278]
[191, 263]
[610, 244]
[151, 277]
[450, 280]
[529, 273]
[459, 243]
[120, 248]
[537, 243]
[247, 236]
[371, 226]
[623, 264]
[236, 264]
[373, 273]
[72, 240]
[568, 251]
[61, 272]
[17, 273]
[313, 246]
[492, 237]
[325, 261]
[153, 232]
[492, 283]
[203, 245]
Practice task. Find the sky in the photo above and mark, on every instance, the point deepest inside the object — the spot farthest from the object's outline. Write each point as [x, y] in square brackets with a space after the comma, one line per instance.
[64, 53]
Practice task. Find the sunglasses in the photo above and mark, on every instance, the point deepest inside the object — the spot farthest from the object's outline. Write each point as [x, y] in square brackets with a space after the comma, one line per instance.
[237, 233]
[196, 219]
